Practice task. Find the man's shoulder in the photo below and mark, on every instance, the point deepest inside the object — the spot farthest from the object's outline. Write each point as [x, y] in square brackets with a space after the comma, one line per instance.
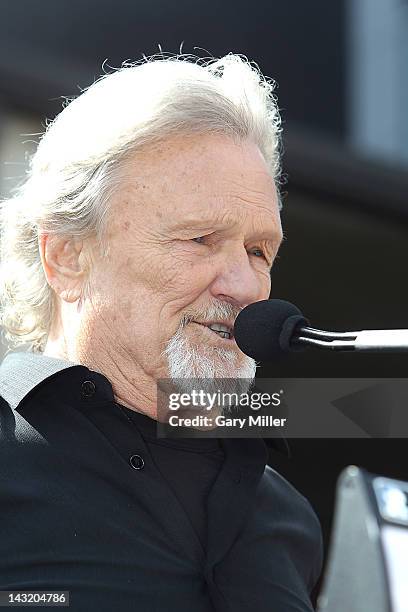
[280, 500]
[277, 492]
[273, 480]
[291, 515]
[283, 539]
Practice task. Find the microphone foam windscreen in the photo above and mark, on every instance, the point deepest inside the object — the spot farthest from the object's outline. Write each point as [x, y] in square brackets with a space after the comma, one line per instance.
[263, 330]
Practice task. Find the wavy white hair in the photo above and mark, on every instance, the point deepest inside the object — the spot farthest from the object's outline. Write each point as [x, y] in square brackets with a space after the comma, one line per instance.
[75, 169]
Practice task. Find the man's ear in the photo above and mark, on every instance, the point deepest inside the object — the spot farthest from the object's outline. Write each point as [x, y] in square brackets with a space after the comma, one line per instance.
[64, 265]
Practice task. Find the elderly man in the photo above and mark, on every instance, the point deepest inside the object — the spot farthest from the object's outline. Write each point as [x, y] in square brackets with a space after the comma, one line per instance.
[149, 219]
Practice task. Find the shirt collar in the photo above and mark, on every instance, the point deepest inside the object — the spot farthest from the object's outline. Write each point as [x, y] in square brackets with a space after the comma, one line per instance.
[22, 372]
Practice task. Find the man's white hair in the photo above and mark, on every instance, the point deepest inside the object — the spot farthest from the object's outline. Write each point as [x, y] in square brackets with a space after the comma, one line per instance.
[76, 167]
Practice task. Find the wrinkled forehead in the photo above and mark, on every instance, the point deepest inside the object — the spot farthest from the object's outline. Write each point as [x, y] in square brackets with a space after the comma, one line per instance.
[213, 157]
[193, 177]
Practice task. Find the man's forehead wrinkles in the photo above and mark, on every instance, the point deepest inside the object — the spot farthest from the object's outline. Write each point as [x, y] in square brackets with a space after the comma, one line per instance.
[248, 206]
[218, 201]
[233, 195]
[197, 220]
[260, 226]
[252, 180]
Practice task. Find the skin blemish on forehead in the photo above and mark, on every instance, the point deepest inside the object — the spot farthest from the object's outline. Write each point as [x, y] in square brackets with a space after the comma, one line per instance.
[126, 225]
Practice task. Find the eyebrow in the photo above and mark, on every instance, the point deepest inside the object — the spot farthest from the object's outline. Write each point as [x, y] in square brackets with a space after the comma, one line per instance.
[195, 223]
[200, 225]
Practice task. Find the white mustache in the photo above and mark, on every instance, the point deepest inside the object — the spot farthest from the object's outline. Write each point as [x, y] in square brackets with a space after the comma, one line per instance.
[219, 311]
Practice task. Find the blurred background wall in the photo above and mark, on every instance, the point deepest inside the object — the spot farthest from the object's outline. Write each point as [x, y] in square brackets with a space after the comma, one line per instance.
[341, 69]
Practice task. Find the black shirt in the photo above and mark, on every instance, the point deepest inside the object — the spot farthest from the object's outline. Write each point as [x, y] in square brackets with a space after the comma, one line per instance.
[91, 504]
[189, 466]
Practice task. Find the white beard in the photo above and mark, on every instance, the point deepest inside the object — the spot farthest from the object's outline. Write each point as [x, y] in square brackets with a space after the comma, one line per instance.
[207, 367]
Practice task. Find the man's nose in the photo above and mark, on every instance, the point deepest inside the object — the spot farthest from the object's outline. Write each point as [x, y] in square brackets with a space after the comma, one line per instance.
[238, 282]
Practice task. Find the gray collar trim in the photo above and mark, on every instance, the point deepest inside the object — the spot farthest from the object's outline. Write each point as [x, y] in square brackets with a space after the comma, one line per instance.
[20, 372]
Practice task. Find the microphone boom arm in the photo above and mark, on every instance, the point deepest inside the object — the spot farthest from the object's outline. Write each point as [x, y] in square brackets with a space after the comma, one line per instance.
[374, 340]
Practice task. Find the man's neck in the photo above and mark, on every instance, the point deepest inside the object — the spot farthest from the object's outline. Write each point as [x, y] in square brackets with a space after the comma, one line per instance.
[132, 387]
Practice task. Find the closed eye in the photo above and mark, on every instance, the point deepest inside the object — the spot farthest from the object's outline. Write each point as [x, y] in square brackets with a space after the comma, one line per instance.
[199, 239]
[257, 252]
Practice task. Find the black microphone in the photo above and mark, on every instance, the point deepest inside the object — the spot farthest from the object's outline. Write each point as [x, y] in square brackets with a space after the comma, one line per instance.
[265, 329]
[271, 328]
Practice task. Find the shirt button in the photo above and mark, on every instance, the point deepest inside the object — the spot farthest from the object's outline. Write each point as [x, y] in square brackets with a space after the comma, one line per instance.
[137, 462]
[88, 388]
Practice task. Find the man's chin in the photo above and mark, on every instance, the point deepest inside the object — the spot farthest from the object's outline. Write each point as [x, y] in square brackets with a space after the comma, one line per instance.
[189, 359]
[213, 362]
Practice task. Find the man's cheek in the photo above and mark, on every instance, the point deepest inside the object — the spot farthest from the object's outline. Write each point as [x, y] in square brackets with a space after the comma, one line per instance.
[193, 282]
[147, 271]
